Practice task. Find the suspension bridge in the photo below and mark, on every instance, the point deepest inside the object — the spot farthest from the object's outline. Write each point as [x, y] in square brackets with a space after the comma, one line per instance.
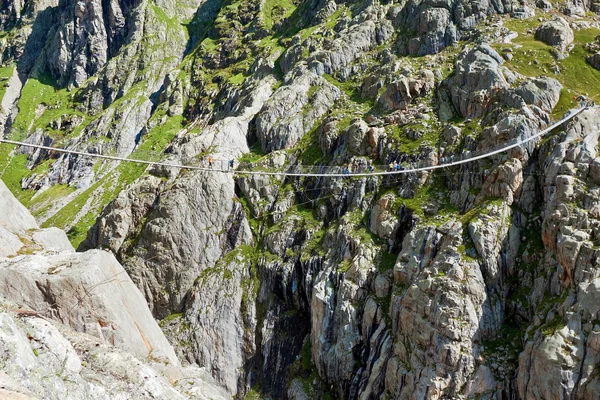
[319, 171]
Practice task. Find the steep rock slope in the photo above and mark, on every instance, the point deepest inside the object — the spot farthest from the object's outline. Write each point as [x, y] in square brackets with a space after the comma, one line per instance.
[475, 282]
[74, 323]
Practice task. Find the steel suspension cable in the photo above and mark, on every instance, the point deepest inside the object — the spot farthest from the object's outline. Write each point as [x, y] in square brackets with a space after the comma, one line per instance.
[568, 117]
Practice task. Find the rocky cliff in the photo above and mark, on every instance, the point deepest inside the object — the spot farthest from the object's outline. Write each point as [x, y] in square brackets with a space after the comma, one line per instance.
[74, 324]
[476, 281]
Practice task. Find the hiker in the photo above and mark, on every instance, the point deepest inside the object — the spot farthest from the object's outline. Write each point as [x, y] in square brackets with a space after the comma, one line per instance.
[210, 160]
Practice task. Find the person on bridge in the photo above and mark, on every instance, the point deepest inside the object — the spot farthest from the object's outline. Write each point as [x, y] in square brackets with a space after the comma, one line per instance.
[210, 160]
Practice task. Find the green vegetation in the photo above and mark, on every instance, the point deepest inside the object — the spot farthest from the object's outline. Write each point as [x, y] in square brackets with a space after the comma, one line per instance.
[103, 191]
[45, 200]
[565, 103]
[506, 348]
[12, 173]
[466, 249]
[350, 88]
[173, 24]
[410, 138]
[387, 261]
[276, 10]
[314, 245]
[556, 324]
[433, 192]
[172, 317]
[305, 371]
[5, 74]
[308, 148]
[253, 156]
[534, 58]
[42, 102]
[253, 394]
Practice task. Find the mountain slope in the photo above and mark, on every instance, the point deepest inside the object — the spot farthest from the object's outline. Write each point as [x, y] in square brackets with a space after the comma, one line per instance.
[476, 281]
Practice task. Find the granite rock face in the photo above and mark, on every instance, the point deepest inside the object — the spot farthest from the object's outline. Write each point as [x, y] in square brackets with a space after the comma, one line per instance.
[75, 323]
[292, 110]
[477, 281]
[556, 33]
[478, 74]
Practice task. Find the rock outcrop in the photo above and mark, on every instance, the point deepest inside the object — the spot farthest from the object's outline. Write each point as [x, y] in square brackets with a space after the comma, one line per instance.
[474, 281]
[556, 33]
[293, 110]
[479, 75]
[75, 323]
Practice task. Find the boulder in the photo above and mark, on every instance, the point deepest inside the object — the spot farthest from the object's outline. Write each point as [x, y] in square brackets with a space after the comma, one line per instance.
[556, 33]
[293, 110]
[383, 222]
[477, 78]
[42, 359]
[594, 60]
[67, 286]
[400, 93]
[76, 323]
[367, 32]
[542, 92]
[357, 139]
[15, 217]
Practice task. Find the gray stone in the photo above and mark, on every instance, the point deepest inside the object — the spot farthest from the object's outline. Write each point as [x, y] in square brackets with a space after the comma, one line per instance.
[556, 33]
[478, 75]
[15, 217]
[293, 110]
[542, 92]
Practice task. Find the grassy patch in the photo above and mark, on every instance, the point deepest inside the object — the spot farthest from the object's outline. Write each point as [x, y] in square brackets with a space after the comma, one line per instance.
[13, 172]
[41, 203]
[506, 348]
[105, 190]
[556, 324]
[253, 156]
[276, 10]
[253, 394]
[351, 89]
[305, 371]
[410, 138]
[434, 192]
[308, 149]
[387, 261]
[534, 58]
[41, 102]
[565, 103]
[5, 74]
[172, 317]
[172, 24]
